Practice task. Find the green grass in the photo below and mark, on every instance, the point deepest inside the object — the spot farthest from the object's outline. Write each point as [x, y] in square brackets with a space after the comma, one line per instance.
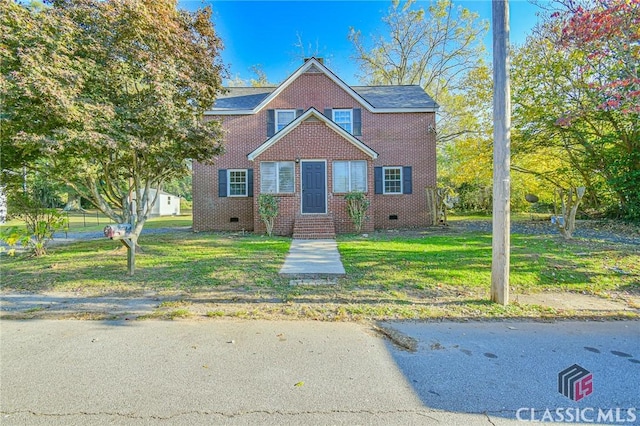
[446, 265]
[389, 275]
[169, 262]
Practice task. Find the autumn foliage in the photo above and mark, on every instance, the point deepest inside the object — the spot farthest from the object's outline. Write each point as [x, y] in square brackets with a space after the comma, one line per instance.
[577, 103]
[609, 34]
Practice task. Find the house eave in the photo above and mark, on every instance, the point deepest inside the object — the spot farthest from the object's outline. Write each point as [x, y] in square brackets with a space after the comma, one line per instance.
[313, 62]
[373, 110]
[229, 112]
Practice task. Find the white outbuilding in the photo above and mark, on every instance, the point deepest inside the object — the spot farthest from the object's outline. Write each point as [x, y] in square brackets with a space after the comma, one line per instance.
[166, 204]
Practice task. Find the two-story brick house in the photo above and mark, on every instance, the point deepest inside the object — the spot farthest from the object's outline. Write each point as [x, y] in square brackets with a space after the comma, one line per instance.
[310, 141]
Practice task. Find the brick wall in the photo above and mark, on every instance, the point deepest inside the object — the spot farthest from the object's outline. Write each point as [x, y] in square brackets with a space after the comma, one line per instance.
[403, 140]
[400, 139]
[312, 140]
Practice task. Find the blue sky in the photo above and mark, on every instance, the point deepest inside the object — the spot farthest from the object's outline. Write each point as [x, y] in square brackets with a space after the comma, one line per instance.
[265, 32]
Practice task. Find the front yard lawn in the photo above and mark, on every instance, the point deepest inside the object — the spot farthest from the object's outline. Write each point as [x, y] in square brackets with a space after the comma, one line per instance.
[450, 264]
[389, 275]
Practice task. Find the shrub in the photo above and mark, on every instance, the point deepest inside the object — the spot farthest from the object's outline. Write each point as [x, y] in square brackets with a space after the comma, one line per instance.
[268, 210]
[41, 225]
[357, 206]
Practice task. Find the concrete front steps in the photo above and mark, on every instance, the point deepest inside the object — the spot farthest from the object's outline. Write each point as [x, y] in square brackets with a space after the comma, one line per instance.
[314, 227]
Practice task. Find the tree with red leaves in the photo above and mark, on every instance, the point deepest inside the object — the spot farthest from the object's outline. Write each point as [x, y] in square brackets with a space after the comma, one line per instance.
[577, 91]
[609, 34]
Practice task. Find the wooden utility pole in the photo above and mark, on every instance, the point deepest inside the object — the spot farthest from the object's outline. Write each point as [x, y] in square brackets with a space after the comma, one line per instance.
[501, 154]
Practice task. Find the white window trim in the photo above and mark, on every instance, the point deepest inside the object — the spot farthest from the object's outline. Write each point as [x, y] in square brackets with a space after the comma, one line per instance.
[278, 111]
[277, 168]
[246, 182]
[384, 187]
[349, 183]
[350, 111]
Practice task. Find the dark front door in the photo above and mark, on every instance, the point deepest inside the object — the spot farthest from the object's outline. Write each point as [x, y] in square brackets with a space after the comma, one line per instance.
[314, 192]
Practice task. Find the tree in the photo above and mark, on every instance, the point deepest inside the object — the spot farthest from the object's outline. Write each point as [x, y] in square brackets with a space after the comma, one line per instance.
[607, 35]
[569, 202]
[434, 48]
[36, 83]
[260, 80]
[543, 76]
[578, 99]
[126, 84]
[466, 162]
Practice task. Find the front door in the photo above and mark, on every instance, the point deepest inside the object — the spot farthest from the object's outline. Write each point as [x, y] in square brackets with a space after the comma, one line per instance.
[314, 189]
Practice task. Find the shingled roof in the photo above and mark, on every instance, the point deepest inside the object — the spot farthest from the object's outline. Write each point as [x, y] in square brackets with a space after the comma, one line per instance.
[376, 99]
[387, 97]
[242, 98]
[395, 96]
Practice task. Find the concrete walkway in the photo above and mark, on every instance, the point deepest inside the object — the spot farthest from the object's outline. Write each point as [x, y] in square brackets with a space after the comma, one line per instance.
[313, 257]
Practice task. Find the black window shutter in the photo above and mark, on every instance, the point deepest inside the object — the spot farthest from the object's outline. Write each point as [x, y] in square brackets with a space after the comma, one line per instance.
[377, 180]
[222, 183]
[357, 122]
[328, 112]
[299, 112]
[271, 122]
[406, 180]
[249, 182]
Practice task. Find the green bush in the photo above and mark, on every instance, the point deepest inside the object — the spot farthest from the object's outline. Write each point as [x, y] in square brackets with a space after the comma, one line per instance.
[41, 225]
[268, 210]
[357, 206]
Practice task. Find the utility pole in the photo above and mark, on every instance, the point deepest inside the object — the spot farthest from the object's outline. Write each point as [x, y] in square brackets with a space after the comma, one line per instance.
[501, 154]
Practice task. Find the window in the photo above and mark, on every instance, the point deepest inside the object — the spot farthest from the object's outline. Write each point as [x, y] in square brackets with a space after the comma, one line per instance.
[348, 119]
[277, 119]
[343, 118]
[349, 176]
[284, 117]
[237, 181]
[277, 177]
[392, 180]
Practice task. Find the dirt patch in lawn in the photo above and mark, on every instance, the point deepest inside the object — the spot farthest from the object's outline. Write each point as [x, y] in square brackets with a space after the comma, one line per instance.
[58, 305]
[579, 302]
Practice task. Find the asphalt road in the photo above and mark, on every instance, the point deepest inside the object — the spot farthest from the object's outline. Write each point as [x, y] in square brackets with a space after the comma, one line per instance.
[261, 372]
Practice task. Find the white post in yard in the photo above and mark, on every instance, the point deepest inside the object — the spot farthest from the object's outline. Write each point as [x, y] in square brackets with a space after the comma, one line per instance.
[501, 154]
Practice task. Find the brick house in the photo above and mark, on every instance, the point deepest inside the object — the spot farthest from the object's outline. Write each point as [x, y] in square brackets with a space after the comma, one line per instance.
[311, 140]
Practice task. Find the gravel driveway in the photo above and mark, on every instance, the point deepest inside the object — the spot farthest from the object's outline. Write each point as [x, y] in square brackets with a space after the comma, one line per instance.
[596, 230]
[62, 237]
